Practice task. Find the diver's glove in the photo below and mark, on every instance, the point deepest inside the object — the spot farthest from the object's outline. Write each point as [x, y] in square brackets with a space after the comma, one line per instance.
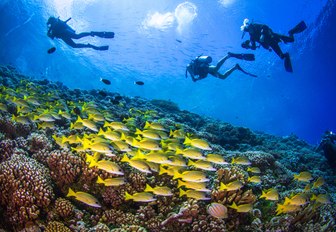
[246, 44]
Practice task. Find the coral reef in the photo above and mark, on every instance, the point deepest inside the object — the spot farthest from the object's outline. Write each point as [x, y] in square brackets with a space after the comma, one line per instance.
[38, 166]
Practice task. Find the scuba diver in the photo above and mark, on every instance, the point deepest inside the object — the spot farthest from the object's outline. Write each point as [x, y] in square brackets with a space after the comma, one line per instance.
[328, 146]
[59, 29]
[264, 35]
[200, 67]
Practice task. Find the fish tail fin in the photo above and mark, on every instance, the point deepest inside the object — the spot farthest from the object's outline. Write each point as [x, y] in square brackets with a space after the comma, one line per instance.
[162, 170]
[182, 192]
[191, 163]
[128, 196]
[148, 188]
[233, 206]
[71, 193]
[263, 195]
[313, 198]
[125, 158]
[179, 183]
[100, 180]
[222, 186]
[287, 201]
[137, 131]
[92, 163]
[187, 141]
[79, 119]
[147, 125]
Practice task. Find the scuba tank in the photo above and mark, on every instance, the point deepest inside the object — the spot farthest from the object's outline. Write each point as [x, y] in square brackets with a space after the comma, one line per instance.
[204, 59]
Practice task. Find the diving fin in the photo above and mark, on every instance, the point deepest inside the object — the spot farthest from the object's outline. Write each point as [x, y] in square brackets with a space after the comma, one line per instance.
[243, 56]
[242, 70]
[103, 34]
[102, 48]
[298, 28]
[288, 63]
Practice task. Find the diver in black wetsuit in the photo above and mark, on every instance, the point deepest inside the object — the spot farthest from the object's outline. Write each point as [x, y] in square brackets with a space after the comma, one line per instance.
[200, 67]
[59, 29]
[264, 35]
[328, 146]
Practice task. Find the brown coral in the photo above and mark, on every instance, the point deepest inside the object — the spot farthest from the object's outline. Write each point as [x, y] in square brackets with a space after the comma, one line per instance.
[65, 167]
[118, 217]
[57, 227]
[64, 208]
[39, 142]
[26, 189]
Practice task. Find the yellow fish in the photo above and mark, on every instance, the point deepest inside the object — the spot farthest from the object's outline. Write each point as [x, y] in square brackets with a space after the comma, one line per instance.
[217, 210]
[3, 107]
[107, 166]
[177, 161]
[148, 134]
[65, 114]
[216, 159]
[156, 157]
[121, 146]
[88, 123]
[98, 117]
[98, 147]
[137, 164]
[199, 186]
[287, 208]
[154, 126]
[198, 143]
[179, 134]
[321, 198]
[116, 126]
[254, 179]
[44, 125]
[271, 195]
[44, 118]
[319, 182]
[192, 176]
[21, 119]
[197, 195]
[255, 170]
[232, 186]
[242, 160]
[140, 197]
[303, 177]
[148, 144]
[244, 208]
[161, 191]
[86, 198]
[298, 199]
[201, 164]
[111, 181]
[191, 153]
[109, 134]
[169, 171]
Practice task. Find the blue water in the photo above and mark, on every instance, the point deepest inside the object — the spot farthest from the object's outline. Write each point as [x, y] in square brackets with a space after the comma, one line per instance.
[155, 39]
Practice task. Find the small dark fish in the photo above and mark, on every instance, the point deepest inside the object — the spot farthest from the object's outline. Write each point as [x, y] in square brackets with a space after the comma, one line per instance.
[114, 101]
[77, 111]
[105, 81]
[139, 82]
[177, 40]
[51, 50]
[102, 93]
[118, 97]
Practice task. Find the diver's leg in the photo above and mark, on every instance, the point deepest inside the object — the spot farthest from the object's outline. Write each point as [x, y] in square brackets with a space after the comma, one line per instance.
[227, 73]
[276, 48]
[103, 34]
[81, 35]
[221, 62]
[71, 43]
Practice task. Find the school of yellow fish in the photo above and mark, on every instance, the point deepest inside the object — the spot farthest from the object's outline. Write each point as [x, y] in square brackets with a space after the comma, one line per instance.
[151, 149]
